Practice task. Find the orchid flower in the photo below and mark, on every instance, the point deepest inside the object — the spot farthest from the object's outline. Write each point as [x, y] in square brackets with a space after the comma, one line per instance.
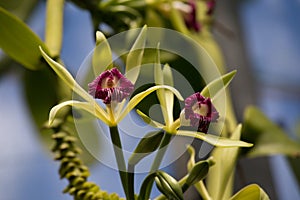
[191, 115]
[110, 85]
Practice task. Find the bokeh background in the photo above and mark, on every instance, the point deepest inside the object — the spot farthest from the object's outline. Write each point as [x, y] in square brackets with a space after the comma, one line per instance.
[259, 38]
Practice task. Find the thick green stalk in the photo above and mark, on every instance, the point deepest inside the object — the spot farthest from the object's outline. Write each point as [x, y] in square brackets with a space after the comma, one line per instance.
[115, 138]
[130, 181]
[54, 26]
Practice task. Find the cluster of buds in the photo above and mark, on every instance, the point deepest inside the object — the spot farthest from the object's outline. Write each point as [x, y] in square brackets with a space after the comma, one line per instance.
[72, 168]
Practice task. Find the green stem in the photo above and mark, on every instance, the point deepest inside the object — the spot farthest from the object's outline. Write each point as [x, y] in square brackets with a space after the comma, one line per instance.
[54, 26]
[115, 138]
[130, 181]
[159, 156]
[161, 152]
[202, 190]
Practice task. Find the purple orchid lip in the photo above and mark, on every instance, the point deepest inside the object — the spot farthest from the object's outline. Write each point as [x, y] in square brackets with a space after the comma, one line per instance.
[200, 111]
[111, 85]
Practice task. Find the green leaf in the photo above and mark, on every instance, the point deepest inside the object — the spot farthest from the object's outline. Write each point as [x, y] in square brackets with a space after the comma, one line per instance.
[168, 186]
[148, 144]
[269, 139]
[102, 57]
[135, 55]
[215, 87]
[19, 42]
[251, 192]
[219, 176]
[213, 139]
[41, 93]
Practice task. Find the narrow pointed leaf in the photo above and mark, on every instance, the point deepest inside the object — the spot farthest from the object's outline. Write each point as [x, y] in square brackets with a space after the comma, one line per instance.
[134, 57]
[251, 192]
[140, 96]
[215, 87]
[214, 140]
[148, 144]
[269, 138]
[19, 42]
[149, 121]
[102, 57]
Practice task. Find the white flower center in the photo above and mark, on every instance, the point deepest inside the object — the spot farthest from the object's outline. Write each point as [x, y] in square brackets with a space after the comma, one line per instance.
[201, 109]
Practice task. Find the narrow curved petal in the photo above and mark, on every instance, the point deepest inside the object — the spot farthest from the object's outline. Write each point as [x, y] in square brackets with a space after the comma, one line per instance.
[149, 121]
[214, 88]
[134, 58]
[165, 97]
[214, 140]
[139, 97]
[77, 104]
[102, 57]
[66, 76]
[168, 80]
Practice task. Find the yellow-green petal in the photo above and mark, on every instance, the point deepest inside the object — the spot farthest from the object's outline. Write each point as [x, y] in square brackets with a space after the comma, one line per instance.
[66, 76]
[162, 95]
[140, 96]
[134, 57]
[102, 57]
[214, 140]
[77, 104]
[169, 97]
[216, 86]
[149, 121]
[251, 192]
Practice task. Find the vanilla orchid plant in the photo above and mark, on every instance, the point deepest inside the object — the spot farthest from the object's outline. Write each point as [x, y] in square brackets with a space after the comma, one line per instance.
[112, 94]
[114, 88]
